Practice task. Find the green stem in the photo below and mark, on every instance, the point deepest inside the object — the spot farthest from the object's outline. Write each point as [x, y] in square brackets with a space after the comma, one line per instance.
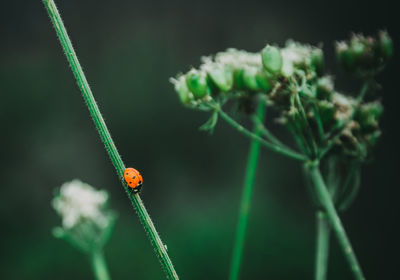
[251, 135]
[105, 136]
[322, 248]
[337, 226]
[99, 266]
[267, 134]
[309, 135]
[244, 209]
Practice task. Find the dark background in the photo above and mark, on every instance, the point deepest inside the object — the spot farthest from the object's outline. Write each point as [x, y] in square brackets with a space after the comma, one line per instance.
[193, 180]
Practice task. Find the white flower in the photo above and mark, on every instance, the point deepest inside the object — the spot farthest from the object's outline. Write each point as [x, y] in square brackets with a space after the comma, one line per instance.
[234, 59]
[78, 201]
[344, 106]
[295, 54]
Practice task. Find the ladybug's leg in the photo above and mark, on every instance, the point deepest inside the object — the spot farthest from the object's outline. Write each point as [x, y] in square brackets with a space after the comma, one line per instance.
[138, 188]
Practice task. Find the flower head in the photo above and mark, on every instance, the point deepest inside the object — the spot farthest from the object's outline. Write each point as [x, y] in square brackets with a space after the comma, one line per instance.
[78, 201]
[87, 222]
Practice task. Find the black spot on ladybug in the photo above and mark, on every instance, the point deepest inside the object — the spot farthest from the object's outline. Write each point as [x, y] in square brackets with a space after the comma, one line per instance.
[127, 173]
[133, 177]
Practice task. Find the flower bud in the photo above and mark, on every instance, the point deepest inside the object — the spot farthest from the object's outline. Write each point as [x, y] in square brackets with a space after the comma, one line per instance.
[255, 79]
[386, 44]
[197, 83]
[287, 68]
[222, 77]
[368, 116]
[317, 60]
[271, 59]
[249, 78]
[238, 79]
[345, 56]
[324, 89]
[263, 81]
[365, 56]
[327, 112]
[182, 89]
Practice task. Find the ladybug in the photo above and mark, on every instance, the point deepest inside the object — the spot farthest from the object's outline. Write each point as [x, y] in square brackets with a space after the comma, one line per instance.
[133, 179]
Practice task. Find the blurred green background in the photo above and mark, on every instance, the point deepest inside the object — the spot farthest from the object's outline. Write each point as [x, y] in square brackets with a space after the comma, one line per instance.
[193, 180]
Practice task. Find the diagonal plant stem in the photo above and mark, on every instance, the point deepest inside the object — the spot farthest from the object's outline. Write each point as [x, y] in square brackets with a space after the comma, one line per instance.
[273, 147]
[244, 209]
[331, 213]
[99, 265]
[105, 136]
[322, 246]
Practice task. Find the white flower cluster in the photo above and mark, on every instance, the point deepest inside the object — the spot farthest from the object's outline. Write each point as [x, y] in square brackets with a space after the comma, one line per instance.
[232, 59]
[78, 201]
[295, 54]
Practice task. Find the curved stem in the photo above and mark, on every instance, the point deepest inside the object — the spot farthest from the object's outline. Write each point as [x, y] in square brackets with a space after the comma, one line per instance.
[244, 209]
[105, 136]
[251, 135]
[99, 266]
[322, 246]
[337, 226]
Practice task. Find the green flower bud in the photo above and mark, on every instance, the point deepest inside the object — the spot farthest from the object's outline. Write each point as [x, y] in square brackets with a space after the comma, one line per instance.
[386, 44]
[368, 116]
[324, 89]
[223, 78]
[197, 83]
[365, 56]
[263, 82]
[238, 79]
[345, 56]
[183, 91]
[271, 59]
[250, 79]
[287, 68]
[317, 60]
[357, 47]
[327, 112]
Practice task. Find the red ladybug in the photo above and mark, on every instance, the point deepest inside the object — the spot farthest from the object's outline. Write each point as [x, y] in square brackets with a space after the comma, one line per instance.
[133, 179]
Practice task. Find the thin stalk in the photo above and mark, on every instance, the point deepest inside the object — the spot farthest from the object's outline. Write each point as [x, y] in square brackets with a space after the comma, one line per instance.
[251, 135]
[320, 126]
[303, 116]
[245, 204]
[105, 136]
[99, 266]
[322, 246]
[337, 226]
[267, 134]
[297, 134]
